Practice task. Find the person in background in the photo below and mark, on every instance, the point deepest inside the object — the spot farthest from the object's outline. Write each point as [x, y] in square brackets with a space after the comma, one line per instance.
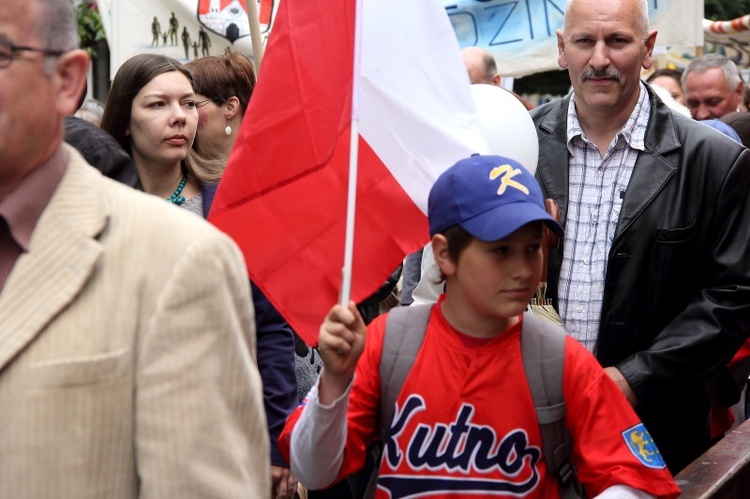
[669, 79]
[713, 86]
[126, 334]
[482, 68]
[652, 274]
[151, 111]
[223, 87]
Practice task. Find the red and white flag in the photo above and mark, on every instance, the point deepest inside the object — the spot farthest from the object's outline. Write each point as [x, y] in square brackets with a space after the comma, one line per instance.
[283, 195]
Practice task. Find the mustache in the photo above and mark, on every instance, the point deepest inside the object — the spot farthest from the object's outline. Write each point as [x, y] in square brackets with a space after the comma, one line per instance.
[600, 74]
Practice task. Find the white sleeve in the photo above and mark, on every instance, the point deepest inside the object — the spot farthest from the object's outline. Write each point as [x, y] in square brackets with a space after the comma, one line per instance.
[623, 492]
[318, 440]
[430, 285]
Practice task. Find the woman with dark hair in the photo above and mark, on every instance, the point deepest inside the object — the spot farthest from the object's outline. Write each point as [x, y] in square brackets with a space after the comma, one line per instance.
[151, 112]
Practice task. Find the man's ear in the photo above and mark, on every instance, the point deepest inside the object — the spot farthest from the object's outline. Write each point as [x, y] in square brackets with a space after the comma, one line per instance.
[442, 256]
[648, 57]
[562, 61]
[70, 80]
[233, 107]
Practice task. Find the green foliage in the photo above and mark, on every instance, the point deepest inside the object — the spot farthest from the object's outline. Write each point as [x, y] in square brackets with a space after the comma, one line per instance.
[90, 29]
[725, 10]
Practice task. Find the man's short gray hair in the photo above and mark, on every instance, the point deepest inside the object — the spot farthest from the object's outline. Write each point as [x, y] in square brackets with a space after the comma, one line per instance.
[709, 61]
[57, 25]
[641, 19]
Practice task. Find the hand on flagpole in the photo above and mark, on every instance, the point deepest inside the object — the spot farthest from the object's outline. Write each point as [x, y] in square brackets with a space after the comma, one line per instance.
[340, 342]
[283, 483]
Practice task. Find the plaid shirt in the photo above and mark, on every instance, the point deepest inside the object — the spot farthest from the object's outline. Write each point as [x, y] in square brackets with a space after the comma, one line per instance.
[597, 188]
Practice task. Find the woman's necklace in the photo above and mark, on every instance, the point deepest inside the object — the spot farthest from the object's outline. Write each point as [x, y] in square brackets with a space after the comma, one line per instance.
[176, 196]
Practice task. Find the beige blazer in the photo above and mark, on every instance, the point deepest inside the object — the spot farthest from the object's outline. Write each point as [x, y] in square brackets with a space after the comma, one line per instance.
[127, 348]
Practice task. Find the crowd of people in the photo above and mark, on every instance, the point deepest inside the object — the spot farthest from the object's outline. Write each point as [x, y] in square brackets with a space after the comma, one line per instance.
[138, 360]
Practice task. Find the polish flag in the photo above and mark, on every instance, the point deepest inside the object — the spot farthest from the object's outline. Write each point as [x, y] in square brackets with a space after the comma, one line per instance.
[283, 197]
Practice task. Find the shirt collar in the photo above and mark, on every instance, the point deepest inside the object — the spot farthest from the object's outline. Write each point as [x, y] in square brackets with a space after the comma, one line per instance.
[23, 207]
[634, 130]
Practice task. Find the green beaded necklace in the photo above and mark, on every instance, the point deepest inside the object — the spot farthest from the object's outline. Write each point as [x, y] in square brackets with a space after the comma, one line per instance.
[176, 196]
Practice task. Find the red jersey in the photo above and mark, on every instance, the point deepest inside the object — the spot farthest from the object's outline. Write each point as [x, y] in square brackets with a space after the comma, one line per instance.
[465, 423]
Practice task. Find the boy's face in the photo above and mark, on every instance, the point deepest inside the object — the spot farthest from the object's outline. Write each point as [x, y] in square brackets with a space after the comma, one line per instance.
[493, 282]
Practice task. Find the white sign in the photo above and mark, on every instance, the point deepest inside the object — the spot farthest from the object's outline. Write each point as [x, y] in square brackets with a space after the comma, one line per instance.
[183, 29]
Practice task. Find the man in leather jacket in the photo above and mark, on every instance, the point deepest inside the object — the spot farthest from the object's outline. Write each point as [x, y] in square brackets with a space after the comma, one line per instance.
[663, 202]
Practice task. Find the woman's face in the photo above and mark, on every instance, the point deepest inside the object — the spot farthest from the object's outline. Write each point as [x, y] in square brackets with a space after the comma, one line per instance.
[163, 121]
[212, 123]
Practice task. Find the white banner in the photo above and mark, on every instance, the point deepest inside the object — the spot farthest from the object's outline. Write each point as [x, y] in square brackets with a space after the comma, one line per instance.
[520, 33]
[183, 29]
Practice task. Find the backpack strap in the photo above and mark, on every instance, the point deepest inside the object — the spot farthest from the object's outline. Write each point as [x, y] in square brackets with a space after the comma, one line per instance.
[543, 353]
[405, 328]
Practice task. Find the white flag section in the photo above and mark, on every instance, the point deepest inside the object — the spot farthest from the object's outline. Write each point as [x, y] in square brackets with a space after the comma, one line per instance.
[521, 34]
[183, 29]
[431, 111]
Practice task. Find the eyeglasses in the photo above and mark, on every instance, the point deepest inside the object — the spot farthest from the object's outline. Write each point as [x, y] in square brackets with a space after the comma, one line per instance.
[8, 51]
[216, 101]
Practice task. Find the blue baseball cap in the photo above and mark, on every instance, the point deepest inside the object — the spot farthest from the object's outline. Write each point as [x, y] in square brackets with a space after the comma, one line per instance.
[489, 196]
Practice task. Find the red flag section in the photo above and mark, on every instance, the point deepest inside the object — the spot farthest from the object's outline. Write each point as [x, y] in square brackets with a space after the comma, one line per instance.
[283, 195]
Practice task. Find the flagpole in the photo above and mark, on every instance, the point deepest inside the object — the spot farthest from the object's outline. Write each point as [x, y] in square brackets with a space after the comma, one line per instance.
[257, 42]
[351, 201]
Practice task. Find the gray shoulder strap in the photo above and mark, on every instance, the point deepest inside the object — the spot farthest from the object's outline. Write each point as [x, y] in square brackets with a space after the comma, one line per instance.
[405, 328]
[543, 353]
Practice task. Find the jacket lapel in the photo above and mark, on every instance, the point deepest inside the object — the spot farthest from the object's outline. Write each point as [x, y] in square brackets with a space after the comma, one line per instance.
[652, 169]
[62, 254]
[552, 170]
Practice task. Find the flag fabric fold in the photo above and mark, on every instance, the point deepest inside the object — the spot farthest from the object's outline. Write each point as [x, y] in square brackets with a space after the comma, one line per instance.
[283, 194]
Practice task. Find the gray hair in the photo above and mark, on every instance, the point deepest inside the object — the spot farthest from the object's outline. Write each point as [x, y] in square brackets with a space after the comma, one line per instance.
[57, 25]
[709, 61]
[641, 19]
[489, 66]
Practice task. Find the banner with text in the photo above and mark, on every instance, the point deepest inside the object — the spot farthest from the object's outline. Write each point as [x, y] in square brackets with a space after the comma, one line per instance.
[519, 33]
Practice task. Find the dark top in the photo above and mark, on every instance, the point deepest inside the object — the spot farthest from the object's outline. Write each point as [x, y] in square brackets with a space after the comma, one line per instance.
[100, 150]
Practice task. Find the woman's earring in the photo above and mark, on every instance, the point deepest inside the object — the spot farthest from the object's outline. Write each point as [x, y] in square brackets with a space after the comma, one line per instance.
[228, 129]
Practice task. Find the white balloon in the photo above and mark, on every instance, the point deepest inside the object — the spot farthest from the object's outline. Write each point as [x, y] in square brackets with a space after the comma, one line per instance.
[506, 125]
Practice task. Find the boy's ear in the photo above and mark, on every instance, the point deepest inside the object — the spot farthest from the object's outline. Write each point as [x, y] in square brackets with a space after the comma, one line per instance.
[442, 256]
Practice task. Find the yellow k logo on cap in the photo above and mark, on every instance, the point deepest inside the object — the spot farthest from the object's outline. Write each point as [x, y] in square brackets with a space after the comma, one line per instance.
[507, 172]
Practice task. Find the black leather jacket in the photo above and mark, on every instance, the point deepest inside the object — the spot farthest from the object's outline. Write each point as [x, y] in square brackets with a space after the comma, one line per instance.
[677, 288]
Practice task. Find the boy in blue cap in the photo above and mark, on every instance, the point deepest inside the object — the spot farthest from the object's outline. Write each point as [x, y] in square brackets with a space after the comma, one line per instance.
[464, 422]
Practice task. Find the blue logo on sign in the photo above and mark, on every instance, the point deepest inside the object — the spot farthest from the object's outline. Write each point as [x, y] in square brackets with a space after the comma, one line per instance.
[642, 446]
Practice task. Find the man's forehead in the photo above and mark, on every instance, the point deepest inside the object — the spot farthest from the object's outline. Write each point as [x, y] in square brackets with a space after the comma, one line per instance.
[602, 15]
[16, 20]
